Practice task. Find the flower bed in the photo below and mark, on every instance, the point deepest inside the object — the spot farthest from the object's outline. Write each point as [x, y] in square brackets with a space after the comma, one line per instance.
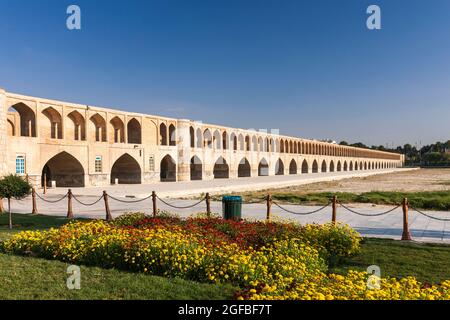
[267, 261]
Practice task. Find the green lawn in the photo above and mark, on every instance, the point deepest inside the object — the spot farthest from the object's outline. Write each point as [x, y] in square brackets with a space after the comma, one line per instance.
[433, 200]
[427, 262]
[33, 278]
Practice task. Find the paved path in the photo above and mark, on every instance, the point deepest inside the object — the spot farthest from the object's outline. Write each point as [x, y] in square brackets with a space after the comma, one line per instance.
[220, 186]
[423, 229]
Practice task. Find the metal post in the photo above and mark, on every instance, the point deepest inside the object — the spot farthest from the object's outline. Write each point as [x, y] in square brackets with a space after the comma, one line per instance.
[208, 205]
[334, 211]
[33, 196]
[154, 204]
[69, 205]
[406, 235]
[108, 212]
[269, 205]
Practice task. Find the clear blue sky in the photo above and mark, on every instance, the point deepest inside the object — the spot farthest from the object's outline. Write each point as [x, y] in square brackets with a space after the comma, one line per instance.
[310, 68]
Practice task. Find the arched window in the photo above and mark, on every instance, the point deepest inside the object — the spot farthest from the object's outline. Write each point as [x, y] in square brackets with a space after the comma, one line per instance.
[134, 131]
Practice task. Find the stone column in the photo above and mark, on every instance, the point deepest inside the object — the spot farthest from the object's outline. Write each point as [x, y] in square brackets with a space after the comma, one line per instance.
[184, 150]
[3, 134]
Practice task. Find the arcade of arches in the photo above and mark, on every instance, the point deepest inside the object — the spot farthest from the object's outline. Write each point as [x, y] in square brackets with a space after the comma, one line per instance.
[72, 145]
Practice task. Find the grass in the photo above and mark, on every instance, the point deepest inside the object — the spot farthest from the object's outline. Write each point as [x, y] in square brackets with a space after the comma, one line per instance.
[429, 263]
[33, 278]
[432, 200]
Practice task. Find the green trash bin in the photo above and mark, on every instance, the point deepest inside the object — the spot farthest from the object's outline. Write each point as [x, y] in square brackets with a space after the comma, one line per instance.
[232, 207]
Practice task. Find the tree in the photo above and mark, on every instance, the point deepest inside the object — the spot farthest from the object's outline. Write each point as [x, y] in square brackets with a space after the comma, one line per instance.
[13, 186]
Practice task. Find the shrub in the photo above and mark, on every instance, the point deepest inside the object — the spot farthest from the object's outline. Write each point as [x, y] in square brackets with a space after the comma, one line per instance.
[13, 186]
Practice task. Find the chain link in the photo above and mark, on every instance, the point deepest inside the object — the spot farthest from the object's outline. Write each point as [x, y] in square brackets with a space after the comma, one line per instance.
[130, 201]
[51, 201]
[181, 207]
[427, 215]
[369, 214]
[301, 213]
[86, 204]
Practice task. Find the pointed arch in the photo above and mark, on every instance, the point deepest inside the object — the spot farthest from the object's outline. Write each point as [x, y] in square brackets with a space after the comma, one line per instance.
[168, 169]
[54, 130]
[225, 142]
[79, 127]
[196, 168]
[207, 139]
[163, 134]
[172, 135]
[134, 132]
[117, 133]
[221, 169]
[315, 167]
[324, 166]
[293, 167]
[99, 124]
[305, 166]
[331, 166]
[339, 166]
[65, 170]
[27, 120]
[279, 168]
[263, 168]
[126, 169]
[244, 169]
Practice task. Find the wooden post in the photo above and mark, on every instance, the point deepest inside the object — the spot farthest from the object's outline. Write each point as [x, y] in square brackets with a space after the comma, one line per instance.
[208, 205]
[33, 196]
[108, 212]
[269, 205]
[154, 204]
[334, 210]
[45, 183]
[406, 235]
[69, 205]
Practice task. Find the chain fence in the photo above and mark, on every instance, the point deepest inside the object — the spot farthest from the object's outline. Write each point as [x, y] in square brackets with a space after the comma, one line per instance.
[301, 213]
[369, 214]
[181, 207]
[52, 201]
[429, 216]
[89, 204]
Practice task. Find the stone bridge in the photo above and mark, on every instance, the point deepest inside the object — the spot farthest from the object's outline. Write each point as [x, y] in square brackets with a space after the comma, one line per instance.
[75, 145]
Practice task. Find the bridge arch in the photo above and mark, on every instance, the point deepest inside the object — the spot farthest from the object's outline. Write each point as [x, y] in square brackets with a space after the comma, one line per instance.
[315, 167]
[263, 168]
[168, 169]
[54, 130]
[293, 167]
[196, 168]
[324, 166]
[99, 124]
[332, 166]
[79, 127]
[279, 168]
[65, 170]
[134, 131]
[305, 166]
[126, 169]
[221, 169]
[117, 133]
[27, 119]
[244, 169]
